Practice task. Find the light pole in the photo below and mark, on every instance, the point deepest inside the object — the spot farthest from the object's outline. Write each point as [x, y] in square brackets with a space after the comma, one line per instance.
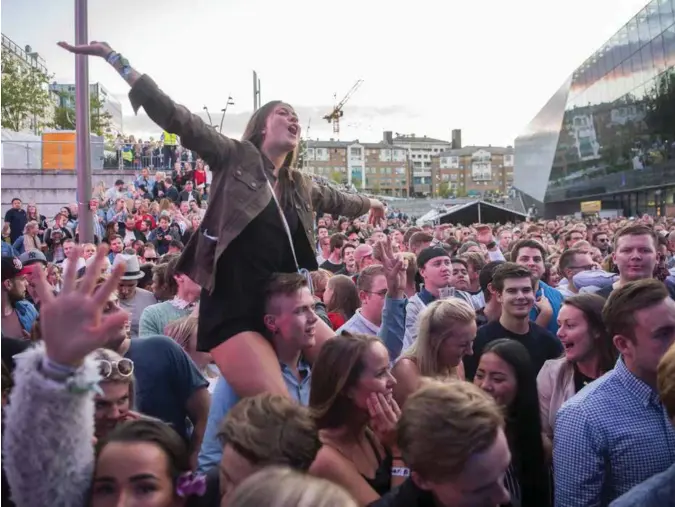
[229, 102]
[82, 136]
[209, 115]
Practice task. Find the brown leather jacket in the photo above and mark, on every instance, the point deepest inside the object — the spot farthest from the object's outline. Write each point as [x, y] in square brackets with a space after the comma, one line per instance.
[238, 190]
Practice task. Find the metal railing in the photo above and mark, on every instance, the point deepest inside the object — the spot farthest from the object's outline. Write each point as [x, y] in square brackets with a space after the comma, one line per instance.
[60, 156]
[616, 182]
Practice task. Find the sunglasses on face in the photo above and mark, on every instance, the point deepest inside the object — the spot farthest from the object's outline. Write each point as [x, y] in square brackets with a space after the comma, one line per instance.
[123, 367]
[151, 259]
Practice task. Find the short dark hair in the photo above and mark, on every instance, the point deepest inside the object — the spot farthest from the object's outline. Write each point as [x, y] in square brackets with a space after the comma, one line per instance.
[337, 241]
[419, 238]
[527, 243]
[635, 230]
[486, 275]
[566, 259]
[269, 429]
[459, 260]
[509, 270]
[283, 284]
[367, 275]
[619, 311]
[16, 199]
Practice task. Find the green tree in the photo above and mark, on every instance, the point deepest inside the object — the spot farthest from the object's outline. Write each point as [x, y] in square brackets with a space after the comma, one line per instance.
[302, 152]
[99, 119]
[25, 94]
[444, 189]
[660, 106]
[337, 177]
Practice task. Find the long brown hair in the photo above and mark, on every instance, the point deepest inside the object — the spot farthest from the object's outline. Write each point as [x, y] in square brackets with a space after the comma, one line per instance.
[288, 175]
[336, 371]
[345, 299]
[591, 306]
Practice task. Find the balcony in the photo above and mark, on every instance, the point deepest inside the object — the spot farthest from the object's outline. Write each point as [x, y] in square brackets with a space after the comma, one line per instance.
[29, 58]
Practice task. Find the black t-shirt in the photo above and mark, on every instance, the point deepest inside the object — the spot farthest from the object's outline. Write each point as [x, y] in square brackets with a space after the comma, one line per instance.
[539, 342]
[406, 495]
[17, 220]
[580, 380]
[333, 268]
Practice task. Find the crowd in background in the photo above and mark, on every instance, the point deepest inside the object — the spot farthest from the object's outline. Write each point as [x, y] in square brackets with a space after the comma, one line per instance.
[474, 364]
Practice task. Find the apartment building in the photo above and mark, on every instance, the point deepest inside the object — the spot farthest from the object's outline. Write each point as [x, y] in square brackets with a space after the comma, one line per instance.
[108, 102]
[378, 168]
[420, 151]
[472, 170]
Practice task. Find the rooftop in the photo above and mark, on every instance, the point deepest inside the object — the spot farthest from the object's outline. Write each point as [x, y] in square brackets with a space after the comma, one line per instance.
[413, 139]
[470, 150]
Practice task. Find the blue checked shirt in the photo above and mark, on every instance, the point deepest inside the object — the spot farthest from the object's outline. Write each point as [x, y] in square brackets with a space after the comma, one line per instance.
[611, 436]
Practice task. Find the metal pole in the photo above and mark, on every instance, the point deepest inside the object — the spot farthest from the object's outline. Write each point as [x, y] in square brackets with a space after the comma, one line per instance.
[255, 91]
[82, 136]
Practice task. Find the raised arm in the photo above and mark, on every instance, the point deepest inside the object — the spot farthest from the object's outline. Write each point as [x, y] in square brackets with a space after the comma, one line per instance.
[194, 133]
[330, 200]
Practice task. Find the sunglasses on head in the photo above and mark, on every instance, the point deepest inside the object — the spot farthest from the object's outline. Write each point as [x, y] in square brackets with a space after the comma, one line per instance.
[124, 367]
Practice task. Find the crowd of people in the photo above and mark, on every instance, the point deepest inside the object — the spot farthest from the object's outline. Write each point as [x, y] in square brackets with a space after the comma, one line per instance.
[270, 340]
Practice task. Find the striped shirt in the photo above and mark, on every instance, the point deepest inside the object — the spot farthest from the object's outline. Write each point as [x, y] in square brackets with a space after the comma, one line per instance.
[609, 437]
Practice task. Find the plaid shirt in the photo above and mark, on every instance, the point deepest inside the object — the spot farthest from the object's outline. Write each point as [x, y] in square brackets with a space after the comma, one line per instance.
[611, 436]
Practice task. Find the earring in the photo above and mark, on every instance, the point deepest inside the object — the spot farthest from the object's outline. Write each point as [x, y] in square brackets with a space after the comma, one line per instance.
[263, 132]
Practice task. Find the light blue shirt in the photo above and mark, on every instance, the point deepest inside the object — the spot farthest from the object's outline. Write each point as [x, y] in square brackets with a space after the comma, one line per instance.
[556, 299]
[224, 398]
[612, 435]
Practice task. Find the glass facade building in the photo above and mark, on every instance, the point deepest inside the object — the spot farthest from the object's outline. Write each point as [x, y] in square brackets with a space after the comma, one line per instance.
[608, 133]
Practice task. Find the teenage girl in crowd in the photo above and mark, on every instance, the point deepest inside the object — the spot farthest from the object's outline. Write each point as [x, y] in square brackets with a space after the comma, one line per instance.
[257, 200]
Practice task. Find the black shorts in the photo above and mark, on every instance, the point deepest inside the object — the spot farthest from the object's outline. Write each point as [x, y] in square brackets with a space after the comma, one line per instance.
[221, 317]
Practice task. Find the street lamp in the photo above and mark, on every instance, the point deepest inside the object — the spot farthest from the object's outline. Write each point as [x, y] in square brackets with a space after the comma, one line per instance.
[209, 115]
[230, 102]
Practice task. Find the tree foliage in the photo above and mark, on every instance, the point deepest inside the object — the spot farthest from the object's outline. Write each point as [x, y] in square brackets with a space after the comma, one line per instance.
[660, 105]
[99, 118]
[444, 189]
[25, 95]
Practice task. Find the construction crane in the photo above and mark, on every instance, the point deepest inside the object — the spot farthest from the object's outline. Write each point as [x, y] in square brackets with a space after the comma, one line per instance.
[337, 113]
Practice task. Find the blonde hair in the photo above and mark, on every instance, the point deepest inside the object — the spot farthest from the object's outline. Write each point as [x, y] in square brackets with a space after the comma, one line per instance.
[183, 331]
[283, 487]
[666, 381]
[435, 326]
[443, 424]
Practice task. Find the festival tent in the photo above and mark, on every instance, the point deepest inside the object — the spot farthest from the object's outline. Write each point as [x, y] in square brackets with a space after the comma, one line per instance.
[473, 212]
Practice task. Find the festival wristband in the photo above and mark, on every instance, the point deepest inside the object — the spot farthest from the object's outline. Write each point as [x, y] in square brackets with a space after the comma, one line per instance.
[400, 471]
[55, 371]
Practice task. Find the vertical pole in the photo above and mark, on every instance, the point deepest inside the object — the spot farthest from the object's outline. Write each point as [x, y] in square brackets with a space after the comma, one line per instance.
[82, 136]
[255, 91]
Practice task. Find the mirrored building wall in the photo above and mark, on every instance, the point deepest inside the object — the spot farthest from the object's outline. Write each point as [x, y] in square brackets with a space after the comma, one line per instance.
[610, 129]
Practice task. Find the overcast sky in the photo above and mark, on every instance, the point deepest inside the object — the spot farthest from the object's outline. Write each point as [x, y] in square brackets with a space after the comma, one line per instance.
[485, 66]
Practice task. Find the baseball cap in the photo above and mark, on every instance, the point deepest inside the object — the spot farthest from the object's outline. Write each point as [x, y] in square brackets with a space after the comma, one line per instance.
[362, 251]
[11, 268]
[32, 257]
[430, 253]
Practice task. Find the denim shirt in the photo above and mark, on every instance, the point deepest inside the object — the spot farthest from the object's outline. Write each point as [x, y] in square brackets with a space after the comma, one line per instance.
[224, 398]
[555, 298]
[27, 315]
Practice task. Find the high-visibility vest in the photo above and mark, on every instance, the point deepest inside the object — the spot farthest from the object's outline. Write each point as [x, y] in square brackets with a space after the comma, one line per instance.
[127, 154]
[170, 139]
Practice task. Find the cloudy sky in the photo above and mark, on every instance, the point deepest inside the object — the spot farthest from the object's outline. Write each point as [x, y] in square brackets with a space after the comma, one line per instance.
[485, 66]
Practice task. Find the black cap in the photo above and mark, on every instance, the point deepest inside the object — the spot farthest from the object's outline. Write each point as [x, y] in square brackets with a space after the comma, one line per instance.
[11, 267]
[430, 253]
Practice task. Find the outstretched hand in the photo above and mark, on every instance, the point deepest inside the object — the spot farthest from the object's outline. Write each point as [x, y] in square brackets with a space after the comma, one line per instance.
[394, 268]
[94, 48]
[73, 323]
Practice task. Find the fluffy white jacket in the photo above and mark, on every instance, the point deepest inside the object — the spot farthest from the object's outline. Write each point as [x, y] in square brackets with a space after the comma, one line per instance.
[47, 442]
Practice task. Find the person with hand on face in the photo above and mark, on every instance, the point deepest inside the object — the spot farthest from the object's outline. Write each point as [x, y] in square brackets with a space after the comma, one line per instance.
[232, 260]
[354, 409]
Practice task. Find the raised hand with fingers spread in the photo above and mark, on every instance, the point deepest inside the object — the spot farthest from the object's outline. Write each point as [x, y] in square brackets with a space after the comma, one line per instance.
[73, 324]
[394, 268]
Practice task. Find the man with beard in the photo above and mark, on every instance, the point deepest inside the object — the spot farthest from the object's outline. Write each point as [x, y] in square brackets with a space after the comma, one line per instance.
[18, 315]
